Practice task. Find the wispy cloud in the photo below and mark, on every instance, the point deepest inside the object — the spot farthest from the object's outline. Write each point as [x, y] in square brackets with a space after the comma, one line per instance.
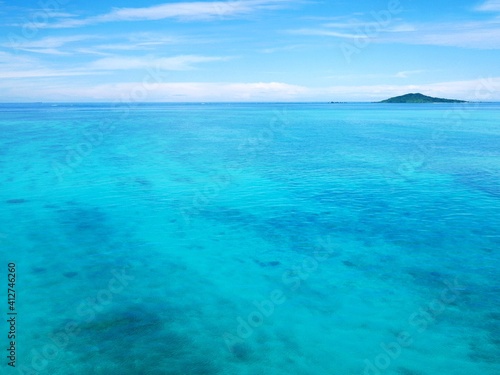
[177, 91]
[325, 32]
[358, 76]
[186, 11]
[354, 28]
[407, 73]
[37, 16]
[41, 73]
[14, 66]
[183, 62]
[360, 26]
[474, 90]
[489, 6]
[284, 48]
[10, 58]
[134, 42]
[473, 35]
[49, 45]
[86, 44]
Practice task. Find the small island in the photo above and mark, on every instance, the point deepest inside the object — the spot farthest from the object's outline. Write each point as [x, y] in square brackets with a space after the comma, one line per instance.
[419, 98]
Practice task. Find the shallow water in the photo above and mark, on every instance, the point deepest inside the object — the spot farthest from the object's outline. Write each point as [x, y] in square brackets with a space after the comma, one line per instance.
[253, 238]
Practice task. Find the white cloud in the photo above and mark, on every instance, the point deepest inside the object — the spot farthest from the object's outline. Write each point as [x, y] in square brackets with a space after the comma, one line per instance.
[54, 14]
[21, 66]
[284, 48]
[467, 34]
[49, 45]
[17, 66]
[185, 91]
[489, 6]
[473, 35]
[407, 73]
[91, 51]
[481, 89]
[325, 32]
[41, 73]
[183, 62]
[487, 89]
[353, 28]
[13, 66]
[54, 42]
[138, 42]
[403, 27]
[14, 59]
[45, 51]
[370, 27]
[357, 77]
[195, 10]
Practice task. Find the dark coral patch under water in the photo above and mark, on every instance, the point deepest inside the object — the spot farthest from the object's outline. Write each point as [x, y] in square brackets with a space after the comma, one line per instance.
[16, 201]
[142, 342]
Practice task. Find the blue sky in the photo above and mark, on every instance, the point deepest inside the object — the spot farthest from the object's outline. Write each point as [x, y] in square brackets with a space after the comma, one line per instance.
[248, 50]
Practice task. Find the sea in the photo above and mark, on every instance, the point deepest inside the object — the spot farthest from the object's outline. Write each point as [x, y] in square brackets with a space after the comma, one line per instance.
[250, 238]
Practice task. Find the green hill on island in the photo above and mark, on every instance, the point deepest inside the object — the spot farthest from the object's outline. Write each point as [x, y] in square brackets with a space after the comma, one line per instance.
[419, 98]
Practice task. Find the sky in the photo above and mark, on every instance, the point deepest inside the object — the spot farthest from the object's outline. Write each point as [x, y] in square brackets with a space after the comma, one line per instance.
[248, 50]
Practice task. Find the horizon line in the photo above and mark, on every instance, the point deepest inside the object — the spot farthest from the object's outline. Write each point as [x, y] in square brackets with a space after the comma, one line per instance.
[230, 102]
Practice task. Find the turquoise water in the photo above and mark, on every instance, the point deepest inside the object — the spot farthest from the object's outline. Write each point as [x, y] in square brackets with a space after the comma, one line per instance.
[252, 238]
